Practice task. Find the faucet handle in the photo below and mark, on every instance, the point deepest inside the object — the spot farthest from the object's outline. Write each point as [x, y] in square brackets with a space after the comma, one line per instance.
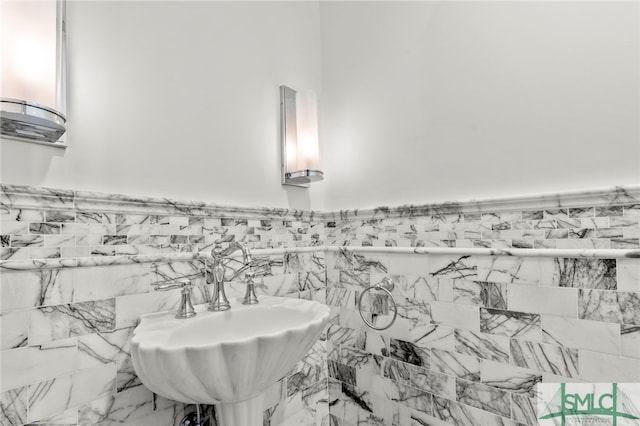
[183, 283]
[185, 310]
[250, 297]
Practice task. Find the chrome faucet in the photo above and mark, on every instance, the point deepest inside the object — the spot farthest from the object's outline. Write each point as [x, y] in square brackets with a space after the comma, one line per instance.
[219, 301]
[185, 310]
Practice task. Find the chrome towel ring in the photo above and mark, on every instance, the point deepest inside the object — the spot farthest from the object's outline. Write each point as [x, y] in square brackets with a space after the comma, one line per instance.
[379, 287]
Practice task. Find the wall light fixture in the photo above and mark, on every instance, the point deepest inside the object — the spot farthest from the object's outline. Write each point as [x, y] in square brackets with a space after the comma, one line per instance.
[33, 77]
[299, 137]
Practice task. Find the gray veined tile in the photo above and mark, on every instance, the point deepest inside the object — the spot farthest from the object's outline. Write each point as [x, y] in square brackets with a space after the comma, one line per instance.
[18, 240]
[341, 297]
[66, 418]
[485, 346]
[32, 288]
[312, 280]
[344, 373]
[397, 371]
[373, 343]
[508, 269]
[413, 398]
[604, 368]
[456, 413]
[13, 407]
[76, 319]
[14, 329]
[354, 279]
[433, 382]
[524, 409]
[609, 306]
[462, 267]
[544, 357]
[344, 336]
[63, 392]
[630, 337]
[543, 300]
[480, 293]
[359, 359]
[456, 315]
[409, 353]
[581, 334]
[455, 364]
[432, 336]
[586, 273]
[628, 274]
[509, 378]
[484, 397]
[309, 370]
[32, 364]
[126, 406]
[103, 282]
[510, 323]
[106, 347]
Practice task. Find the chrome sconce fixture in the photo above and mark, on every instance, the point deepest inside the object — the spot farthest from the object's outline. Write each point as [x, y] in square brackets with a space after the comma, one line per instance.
[33, 102]
[299, 137]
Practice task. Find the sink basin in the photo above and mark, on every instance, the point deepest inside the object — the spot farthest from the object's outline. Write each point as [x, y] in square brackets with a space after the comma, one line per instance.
[227, 358]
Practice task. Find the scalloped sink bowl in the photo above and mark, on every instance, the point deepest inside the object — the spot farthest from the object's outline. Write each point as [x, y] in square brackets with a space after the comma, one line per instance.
[227, 358]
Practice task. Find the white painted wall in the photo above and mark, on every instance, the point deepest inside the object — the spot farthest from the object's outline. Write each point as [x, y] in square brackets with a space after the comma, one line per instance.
[421, 101]
[433, 101]
[179, 100]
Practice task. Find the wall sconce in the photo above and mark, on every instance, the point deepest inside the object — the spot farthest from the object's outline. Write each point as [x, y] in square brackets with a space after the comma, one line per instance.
[33, 87]
[299, 137]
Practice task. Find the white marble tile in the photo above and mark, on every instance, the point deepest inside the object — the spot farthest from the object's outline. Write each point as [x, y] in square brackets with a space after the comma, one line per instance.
[507, 269]
[432, 336]
[63, 392]
[524, 409]
[603, 368]
[14, 326]
[13, 407]
[510, 323]
[630, 341]
[510, 378]
[609, 306]
[544, 357]
[433, 382]
[66, 418]
[455, 364]
[543, 300]
[77, 319]
[24, 289]
[453, 267]
[278, 285]
[455, 413]
[481, 345]
[106, 347]
[485, 397]
[103, 282]
[457, 316]
[129, 308]
[124, 407]
[33, 364]
[581, 334]
[628, 274]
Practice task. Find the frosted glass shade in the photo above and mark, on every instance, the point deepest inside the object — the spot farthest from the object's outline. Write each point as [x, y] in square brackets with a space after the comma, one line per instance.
[33, 69]
[300, 145]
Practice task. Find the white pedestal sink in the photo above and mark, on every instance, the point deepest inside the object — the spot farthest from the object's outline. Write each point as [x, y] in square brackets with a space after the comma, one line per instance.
[226, 358]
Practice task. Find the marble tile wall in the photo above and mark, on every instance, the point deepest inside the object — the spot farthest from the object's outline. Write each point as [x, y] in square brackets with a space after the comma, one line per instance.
[65, 330]
[475, 334]
[473, 337]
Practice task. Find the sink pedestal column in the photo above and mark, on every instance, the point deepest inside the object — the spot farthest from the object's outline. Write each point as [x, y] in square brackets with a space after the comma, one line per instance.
[245, 413]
